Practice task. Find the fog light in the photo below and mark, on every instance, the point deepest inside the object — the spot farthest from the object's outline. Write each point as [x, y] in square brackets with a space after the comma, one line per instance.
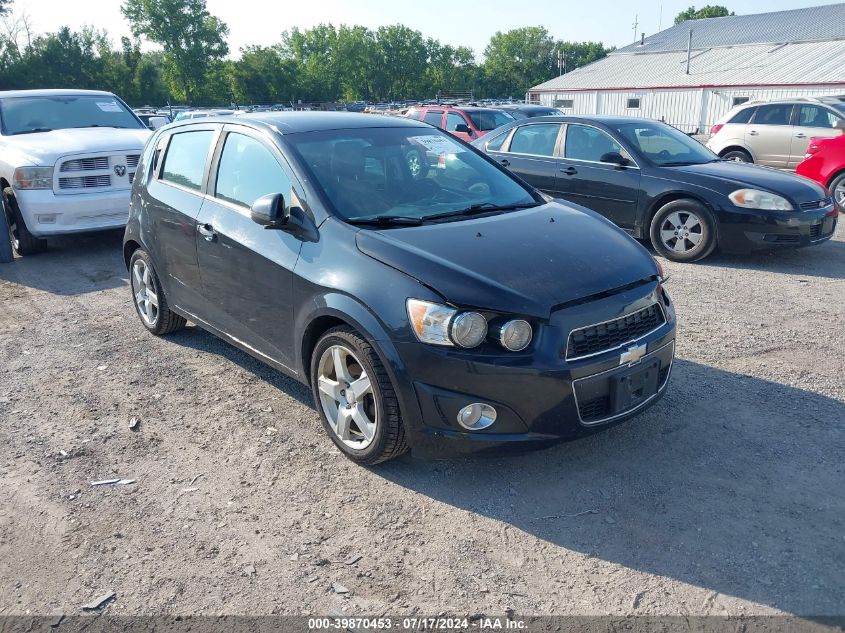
[515, 335]
[476, 416]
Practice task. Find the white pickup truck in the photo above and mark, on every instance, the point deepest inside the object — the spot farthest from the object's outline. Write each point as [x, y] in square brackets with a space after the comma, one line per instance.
[67, 161]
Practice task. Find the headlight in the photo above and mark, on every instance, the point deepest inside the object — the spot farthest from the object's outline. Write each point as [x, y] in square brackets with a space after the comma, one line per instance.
[33, 178]
[441, 325]
[756, 199]
[515, 335]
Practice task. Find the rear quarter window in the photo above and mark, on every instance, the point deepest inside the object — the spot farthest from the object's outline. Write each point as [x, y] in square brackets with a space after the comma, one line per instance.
[184, 163]
[743, 116]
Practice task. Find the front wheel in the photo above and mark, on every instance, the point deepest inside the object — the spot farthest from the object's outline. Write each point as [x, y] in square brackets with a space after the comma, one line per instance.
[837, 189]
[355, 398]
[24, 242]
[683, 231]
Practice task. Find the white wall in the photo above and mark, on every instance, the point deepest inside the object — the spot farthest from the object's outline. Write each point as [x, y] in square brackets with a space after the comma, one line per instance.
[686, 108]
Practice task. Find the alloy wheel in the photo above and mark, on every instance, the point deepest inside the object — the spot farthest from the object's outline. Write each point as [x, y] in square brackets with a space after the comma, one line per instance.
[839, 194]
[144, 289]
[681, 231]
[346, 396]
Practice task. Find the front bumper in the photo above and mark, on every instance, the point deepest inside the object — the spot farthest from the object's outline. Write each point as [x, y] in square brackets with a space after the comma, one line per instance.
[47, 214]
[540, 397]
[743, 230]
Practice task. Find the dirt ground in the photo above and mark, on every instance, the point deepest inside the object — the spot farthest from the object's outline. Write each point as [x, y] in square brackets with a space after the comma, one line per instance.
[726, 497]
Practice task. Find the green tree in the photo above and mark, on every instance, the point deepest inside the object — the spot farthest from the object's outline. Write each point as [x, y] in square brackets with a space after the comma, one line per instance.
[192, 39]
[518, 59]
[708, 11]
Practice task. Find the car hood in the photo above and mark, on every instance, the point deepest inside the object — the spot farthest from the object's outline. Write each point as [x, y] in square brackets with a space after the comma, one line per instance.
[727, 176]
[523, 262]
[44, 148]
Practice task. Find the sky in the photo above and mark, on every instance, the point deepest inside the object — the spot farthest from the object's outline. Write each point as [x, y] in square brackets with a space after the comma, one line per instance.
[456, 22]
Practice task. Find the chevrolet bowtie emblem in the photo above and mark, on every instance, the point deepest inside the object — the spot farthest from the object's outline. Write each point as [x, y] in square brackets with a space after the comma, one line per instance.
[632, 355]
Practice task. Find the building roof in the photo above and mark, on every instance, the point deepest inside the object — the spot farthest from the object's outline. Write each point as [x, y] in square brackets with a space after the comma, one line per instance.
[795, 47]
[795, 25]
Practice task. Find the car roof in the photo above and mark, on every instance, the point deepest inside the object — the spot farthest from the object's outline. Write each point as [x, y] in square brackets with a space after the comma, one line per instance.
[304, 121]
[6, 94]
[603, 119]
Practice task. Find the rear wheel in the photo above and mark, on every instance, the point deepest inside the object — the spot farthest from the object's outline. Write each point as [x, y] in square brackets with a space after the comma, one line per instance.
[24, 242]
[683, 231]
[148, 296]
[837, 190]
[738, 155]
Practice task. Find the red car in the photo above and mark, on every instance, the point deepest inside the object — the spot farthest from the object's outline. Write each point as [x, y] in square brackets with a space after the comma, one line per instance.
[467, 123]
[824, 162]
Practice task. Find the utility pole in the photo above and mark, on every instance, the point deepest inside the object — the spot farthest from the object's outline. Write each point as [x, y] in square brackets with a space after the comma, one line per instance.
[636, 25]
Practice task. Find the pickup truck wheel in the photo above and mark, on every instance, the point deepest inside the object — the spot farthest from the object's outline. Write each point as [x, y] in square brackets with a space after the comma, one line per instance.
[148, 296]
[355, 398]
[6, 254]
[24, 242]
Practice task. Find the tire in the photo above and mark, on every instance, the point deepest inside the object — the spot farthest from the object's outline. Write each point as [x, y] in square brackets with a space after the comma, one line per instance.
[6, 254]
[683, 231]
[368, 428]
[837, 190]
[148, 297]
[24, 242]
[738, 155]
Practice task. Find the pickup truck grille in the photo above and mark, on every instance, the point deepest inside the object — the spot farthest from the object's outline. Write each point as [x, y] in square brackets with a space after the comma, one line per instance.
[111, 172]
[603, 337]
[86, 164]
[84, 182]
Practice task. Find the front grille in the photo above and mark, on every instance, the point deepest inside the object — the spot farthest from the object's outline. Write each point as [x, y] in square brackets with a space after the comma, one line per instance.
[84, 182]
[780, 238]
[815, 204]
[595, 409]
[603, 337]
[85, 164]
[132, 160]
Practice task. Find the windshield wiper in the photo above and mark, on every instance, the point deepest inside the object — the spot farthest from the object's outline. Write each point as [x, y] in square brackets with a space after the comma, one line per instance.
[386, 220]
[481, 207]
[34, 130]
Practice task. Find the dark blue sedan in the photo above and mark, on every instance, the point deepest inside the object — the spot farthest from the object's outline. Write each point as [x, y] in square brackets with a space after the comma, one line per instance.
[657, 183]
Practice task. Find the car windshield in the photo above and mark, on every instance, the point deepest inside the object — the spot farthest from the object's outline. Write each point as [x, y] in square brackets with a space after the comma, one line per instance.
[404, 173]
[664, 145]
[486, 120]
[24, 115]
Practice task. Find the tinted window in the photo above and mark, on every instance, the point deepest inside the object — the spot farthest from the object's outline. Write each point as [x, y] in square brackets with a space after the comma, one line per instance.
[486, 120]
[743, 116]
[184, 162]
[773, 114]
[816, 116]
[588, 143]
[453, 120]
[248, 171]
[410, 172]
[30, 114]
[495, 144]
[539, 139]
[435, 117]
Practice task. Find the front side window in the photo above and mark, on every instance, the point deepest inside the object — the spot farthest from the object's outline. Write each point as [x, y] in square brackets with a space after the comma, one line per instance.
[664, 145]
[539, 139]
[434, 117]
[773, 114]
[486, 120]
[816, 116]
[184, 163]
[407, 173]
[453, 120]
[247, 171]
[588, 143]
[26, 115]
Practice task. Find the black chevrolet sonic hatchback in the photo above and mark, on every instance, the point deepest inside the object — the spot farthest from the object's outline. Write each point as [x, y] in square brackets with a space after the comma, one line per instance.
[428, 296]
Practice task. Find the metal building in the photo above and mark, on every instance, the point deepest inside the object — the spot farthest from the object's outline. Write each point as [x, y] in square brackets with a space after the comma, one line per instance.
[692, 73]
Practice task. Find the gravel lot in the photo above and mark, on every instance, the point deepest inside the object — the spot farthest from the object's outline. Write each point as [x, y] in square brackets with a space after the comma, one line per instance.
[726, 497]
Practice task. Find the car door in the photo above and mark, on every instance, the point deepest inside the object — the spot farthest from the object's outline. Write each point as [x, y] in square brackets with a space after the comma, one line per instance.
[812, 121]
[585, 177]
[173, 199]
[532, 155]
[769, 134]
[247, 270]
[453, 121]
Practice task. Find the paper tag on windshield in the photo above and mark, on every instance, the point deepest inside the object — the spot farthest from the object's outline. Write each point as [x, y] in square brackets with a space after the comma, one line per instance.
[109, 106]
[438, 144]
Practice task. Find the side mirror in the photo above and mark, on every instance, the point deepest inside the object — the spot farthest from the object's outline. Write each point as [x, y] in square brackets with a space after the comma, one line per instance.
[270, 211]
[156, 122]
[463, 128]
[615, 158]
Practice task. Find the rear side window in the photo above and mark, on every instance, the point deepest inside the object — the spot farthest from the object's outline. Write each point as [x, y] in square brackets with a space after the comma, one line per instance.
[435, 117]
[184, 163]
[248, 170]
[495, 145]
[539, 140]
[774, 114]
[743, 116]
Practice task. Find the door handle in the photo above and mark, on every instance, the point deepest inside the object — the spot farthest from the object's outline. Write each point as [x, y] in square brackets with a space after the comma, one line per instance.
[569, 171]
[800, 135]
[207, 231]
[505, 162]
[752, 133]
